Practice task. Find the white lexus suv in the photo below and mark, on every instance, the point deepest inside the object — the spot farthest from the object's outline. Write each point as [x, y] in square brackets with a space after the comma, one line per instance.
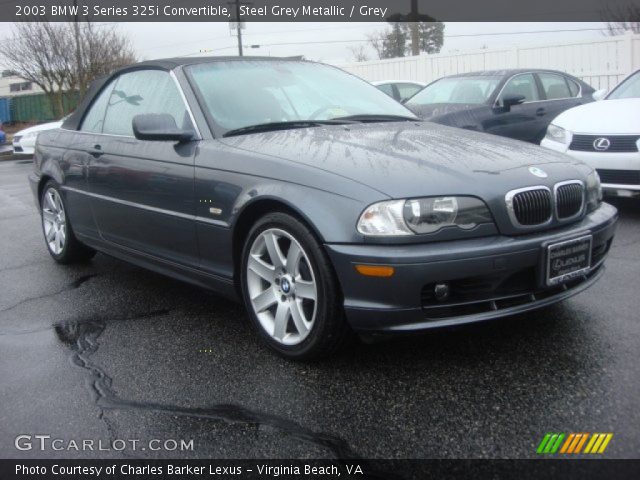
[606, 135]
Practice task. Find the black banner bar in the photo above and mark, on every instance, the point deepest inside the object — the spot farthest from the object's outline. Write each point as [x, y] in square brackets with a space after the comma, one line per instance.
[583, 469]
[316, 10]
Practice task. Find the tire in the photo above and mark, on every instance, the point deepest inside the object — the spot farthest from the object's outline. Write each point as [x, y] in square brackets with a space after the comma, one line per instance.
[294, 303]
[59, 238]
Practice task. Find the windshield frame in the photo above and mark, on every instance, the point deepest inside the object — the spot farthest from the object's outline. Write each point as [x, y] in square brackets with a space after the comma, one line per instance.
[219, 131]
[631, 76]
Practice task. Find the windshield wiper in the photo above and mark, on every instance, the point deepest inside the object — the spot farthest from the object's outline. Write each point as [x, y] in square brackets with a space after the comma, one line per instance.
[374, 117]
[266, 127]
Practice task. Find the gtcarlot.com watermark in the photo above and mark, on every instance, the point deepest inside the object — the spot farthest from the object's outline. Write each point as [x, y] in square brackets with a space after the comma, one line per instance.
[48, 443]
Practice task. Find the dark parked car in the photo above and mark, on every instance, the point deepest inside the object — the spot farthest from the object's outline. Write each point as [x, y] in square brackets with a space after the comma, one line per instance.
[322, 203]
[518, 104]
[3, 136]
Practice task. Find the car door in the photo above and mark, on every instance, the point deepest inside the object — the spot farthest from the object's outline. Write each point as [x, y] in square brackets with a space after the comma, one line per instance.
[142, 192]
[76, 160]
[524, 121]
[559, 93]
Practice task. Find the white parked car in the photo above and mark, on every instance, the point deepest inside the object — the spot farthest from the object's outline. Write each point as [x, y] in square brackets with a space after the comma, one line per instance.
[606, 135]
[400, 90]
[24, 141]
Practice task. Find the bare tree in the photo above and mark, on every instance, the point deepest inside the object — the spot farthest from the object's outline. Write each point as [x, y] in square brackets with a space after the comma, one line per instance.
[376, 40]
[38, 53]
[407, 38]
[619, 28]
[42, 53]
[359, 53]
[102, 51]
[623, 18]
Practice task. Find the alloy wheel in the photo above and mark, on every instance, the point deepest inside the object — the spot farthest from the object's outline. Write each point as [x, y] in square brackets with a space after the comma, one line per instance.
[282, 286]
[54, 221]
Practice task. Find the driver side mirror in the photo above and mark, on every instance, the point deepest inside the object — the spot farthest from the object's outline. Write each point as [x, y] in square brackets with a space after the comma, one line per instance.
[159, 127]
[511, 100]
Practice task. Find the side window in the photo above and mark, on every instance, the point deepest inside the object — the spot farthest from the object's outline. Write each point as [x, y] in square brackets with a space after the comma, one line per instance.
[574, 88]
[554, 86]
[94, 118]
[523, 84]
[145, 91]
[386, 88]
[408, 90]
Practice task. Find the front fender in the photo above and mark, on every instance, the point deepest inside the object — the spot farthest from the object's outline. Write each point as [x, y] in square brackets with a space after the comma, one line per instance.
[333, 217]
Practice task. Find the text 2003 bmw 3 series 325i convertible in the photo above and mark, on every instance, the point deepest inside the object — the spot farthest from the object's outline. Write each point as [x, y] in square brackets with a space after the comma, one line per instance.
[322, 203]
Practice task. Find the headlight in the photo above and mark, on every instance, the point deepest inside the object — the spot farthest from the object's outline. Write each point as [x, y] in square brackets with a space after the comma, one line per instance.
[384, 218]
[29, 136]
[594, 191]
[422, 215]
[556, 133]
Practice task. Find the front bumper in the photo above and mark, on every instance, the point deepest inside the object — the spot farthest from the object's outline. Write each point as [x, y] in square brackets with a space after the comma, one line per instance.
[23, 147]
[490, 277]
[27, 152]
[606, 161]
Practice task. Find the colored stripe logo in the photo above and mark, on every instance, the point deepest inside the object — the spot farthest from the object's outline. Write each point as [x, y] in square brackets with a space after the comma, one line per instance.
[574, 443]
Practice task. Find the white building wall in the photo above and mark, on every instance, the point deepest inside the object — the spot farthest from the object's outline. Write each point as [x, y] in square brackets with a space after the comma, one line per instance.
[5, 87]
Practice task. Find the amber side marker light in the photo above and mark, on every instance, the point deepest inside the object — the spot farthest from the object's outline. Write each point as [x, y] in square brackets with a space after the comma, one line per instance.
[375, 270]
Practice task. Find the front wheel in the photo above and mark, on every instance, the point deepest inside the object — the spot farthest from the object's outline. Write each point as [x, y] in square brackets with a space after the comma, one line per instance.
[290, 290]
[61, 242]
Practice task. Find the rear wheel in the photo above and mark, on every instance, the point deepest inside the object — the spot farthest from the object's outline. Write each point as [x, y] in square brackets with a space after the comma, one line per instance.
[61, 242]
[290, 290]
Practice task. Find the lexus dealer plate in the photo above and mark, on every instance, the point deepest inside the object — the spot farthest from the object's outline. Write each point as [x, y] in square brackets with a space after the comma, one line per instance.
[568, 259]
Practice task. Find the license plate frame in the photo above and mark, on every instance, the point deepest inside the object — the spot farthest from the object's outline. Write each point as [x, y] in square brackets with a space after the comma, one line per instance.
[553, 273]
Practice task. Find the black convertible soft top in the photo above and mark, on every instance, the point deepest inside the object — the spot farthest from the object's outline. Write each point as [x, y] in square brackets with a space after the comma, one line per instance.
[73, 121]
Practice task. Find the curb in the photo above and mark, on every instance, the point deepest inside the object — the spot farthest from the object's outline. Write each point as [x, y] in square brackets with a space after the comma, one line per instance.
[8, 156]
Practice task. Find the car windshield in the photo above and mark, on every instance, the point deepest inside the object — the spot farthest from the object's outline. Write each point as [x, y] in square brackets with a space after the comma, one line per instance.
[630, 88]
[468, 90]
[241, 94]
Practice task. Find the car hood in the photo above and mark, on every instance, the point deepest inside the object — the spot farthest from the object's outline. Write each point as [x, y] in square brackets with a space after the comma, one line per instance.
[413, 158]
[606, 117]
[38, 128]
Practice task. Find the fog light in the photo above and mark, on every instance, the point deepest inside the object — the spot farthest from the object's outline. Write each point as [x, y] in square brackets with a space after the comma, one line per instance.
[441, 291]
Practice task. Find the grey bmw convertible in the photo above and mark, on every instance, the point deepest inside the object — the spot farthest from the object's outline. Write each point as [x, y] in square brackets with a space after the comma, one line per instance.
[321, 203]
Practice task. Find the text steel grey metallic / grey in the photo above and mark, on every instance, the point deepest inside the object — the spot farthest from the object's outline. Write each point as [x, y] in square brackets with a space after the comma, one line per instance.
[321, 203]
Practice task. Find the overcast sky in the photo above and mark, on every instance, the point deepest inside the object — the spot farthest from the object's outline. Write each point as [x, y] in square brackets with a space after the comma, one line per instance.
[158, 40]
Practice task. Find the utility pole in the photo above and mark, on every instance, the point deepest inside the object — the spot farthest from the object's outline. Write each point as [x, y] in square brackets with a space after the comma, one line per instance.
[76, 28]
[239, 27]
[414, 28]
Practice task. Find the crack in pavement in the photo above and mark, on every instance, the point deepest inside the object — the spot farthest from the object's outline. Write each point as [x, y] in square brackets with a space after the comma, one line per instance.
[82, 338]
[70, 286]
[24, 265]
[25, 332]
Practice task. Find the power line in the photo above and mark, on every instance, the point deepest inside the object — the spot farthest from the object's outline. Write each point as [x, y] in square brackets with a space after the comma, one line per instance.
[276, 32]
[341, 41]
[313, 42]
[525, 33]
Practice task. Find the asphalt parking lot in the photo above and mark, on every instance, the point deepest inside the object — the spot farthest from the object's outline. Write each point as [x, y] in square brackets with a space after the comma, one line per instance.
[110, 351]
